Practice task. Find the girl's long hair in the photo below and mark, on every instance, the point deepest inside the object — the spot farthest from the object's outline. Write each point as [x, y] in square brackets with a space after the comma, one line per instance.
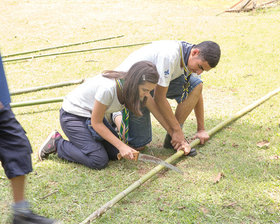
[138, 74]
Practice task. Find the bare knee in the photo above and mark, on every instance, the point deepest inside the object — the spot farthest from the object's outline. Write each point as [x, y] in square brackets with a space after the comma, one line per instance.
[198, 88]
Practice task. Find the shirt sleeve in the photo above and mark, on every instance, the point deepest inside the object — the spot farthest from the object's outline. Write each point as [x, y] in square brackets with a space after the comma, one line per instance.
[197, 76]
[104, 96]
[165, 67]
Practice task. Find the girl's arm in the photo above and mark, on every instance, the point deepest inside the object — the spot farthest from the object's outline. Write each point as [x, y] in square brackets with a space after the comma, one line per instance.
[97, 116]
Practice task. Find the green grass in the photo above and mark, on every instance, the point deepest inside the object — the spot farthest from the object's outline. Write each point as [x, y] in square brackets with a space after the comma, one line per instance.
[249, 192]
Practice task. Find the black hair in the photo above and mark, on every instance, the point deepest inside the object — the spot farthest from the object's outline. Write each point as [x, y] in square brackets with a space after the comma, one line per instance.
[209, 51]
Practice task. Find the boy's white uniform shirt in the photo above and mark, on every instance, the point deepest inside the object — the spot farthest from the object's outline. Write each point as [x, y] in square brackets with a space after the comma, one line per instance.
[165, 54]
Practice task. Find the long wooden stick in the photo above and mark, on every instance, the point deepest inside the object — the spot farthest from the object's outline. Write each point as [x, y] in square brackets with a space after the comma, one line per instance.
[36, 102]
[263, 5]
[235, 10]
[62, 46]
[236, 4]
[73, 52]
[171, 159]
[246, 3]
[270, 2]
[51, 86]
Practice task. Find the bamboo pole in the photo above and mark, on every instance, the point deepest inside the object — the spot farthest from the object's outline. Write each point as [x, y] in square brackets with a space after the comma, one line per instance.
[73, 52]
[62, 46]
[172, 158]
[36, 102]
[51, 86]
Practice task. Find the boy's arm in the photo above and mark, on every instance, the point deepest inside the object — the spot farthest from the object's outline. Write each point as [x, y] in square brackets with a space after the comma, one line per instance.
[165, 109]
[199, 114]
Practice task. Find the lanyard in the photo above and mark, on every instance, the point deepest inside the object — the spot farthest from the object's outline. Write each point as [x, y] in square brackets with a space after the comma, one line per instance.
[125, 117]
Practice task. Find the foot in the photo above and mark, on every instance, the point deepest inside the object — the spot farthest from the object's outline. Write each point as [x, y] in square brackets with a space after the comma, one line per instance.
[192, 153]
[167, 142]
[48, 146]
[30, 218]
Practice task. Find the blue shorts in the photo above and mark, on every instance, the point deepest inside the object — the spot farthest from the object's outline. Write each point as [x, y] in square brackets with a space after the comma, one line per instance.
[175, 89]
[140, 128]
[15, 148]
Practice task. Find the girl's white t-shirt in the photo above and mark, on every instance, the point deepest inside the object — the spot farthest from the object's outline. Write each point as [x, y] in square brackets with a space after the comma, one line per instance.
[80, 101]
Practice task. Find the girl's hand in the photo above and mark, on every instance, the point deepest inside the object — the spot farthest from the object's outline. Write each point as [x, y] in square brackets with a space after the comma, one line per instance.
[127, 152]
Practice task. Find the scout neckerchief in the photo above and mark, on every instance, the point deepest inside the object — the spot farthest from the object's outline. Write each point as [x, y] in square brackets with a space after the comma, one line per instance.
[187, 74]
[125, 116]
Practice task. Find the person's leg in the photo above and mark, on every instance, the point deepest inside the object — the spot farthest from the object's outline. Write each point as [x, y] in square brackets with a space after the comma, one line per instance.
[183, 109]
[111, 150]
[15, 157]
[175, 91]
[17, 184]
[140, 129]
[81, 147]
[21, 208]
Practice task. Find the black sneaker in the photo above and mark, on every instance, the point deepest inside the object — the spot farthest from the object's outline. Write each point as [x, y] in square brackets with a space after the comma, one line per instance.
[31, 218]
[167, 142]
[48, 146]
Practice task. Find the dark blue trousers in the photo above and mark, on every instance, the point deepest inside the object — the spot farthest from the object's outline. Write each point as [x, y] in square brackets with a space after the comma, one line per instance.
[84, 146]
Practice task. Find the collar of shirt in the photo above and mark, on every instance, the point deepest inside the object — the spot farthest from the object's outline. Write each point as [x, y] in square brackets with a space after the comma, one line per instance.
[186, 50]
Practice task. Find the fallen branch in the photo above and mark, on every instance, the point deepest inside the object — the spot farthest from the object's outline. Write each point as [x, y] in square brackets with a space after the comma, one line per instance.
[236, 4]
[73, 52]
[243, 9]
[49, 194]
[62, 46]
[174, 157]
[246, 3]
[270, 2]
[95, 192]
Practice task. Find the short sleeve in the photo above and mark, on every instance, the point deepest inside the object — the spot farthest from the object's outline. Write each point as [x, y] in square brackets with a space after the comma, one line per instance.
[104, 96]
[165, 67]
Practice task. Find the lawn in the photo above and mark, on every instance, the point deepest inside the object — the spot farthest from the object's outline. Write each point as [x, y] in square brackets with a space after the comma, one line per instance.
[248, 192]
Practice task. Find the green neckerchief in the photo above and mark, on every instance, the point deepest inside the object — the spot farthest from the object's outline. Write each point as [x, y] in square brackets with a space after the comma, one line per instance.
[125, 116]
